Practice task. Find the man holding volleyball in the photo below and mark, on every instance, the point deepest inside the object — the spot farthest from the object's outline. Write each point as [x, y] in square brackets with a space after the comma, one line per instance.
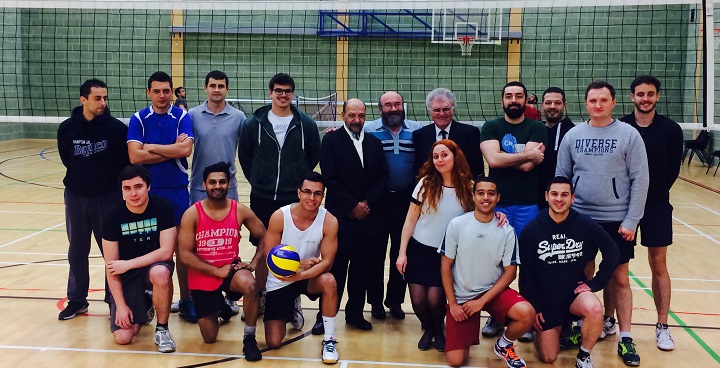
[312, 231]
[209, 241]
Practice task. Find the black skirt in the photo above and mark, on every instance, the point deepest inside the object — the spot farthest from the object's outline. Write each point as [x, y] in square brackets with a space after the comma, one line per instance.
[423, 264]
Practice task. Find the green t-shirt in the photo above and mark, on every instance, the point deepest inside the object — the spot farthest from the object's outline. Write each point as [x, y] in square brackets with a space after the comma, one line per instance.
[516, 187]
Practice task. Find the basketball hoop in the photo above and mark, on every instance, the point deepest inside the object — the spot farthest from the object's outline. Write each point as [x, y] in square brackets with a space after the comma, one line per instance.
[466, 44]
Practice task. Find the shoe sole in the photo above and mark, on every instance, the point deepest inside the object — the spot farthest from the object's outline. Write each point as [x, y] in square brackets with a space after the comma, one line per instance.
[666, 349]
[330, 361]
[79, 311]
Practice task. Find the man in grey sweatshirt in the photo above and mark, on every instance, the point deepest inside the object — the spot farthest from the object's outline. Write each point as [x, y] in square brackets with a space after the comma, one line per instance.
[607, 163]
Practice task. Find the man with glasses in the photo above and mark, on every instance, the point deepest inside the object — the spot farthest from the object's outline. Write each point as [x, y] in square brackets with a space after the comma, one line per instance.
[355, 168]
[395, 133]
[513, 146]
[278, 144]
[441, 106]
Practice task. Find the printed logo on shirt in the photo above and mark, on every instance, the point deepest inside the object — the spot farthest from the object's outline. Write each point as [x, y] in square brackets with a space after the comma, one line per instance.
[596, 146]
[509, 143]
[560, 250]
[86, 148]
[139, 227]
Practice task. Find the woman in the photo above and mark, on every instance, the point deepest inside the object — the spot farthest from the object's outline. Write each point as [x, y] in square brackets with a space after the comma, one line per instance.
[443, 192]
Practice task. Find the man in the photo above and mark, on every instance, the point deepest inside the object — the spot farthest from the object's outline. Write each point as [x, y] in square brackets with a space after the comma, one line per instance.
[209, 244]
[395, 133]
[138, 241]
[278, 144]
[312, 231]
[180, 100]
[606, 160]
[663, 140]
[355, 169]
[480, 279]
[91, 145]
[513, 146]
[160, 136]
[557, 125]
[555, 247]
[440, 103]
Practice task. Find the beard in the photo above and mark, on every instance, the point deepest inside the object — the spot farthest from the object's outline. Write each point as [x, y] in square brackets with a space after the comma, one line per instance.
[393, 119]
[514, 111]
[553, 116]
[645, 110]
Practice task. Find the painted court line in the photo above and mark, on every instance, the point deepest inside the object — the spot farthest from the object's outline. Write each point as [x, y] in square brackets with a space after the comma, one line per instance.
[31, 235]
[698, 231]
[706, 209]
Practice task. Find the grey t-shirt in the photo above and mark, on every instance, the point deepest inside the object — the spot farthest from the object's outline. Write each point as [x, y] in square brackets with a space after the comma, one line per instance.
[480, 251]
[216, 139]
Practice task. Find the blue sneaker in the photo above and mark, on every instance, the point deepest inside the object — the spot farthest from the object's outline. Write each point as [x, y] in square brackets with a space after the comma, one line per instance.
[187, 310]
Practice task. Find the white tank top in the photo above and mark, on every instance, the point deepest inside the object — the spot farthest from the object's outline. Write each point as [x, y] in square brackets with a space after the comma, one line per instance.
[306, 242]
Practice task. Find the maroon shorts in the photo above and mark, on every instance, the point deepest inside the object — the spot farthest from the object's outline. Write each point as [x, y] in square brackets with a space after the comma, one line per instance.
[462, 335]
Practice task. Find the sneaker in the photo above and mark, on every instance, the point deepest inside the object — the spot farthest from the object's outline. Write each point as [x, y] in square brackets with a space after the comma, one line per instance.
[527, 336]
[234, 307]
[609, 327]
[250, 349]
[164, 341]
[187, 310]
[174, 307]
[583, 363]
[508, 353]
[151, 308]
[572, 340]
[626, 350]
[492, 328]
[225, 314]
[329, 352]
[299, 320]
[664, 340]
[72, 310]
[261, 306]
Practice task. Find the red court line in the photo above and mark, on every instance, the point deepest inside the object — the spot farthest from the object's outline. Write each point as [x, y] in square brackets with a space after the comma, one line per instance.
[700, 184]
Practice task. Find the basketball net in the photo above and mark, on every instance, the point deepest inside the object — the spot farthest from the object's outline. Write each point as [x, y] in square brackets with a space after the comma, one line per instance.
[466, 44]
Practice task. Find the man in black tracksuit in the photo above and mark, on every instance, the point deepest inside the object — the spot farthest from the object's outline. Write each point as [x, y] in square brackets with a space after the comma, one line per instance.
[554, 248]
[91, 144]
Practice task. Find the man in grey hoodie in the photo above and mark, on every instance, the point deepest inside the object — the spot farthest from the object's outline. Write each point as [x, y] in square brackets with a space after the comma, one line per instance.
[607, 162]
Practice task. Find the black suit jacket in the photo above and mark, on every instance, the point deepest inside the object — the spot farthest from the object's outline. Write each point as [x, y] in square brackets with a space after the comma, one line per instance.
[348, 181]
[466, 136]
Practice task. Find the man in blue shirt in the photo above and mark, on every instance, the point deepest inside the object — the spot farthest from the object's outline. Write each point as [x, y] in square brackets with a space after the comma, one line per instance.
[395, 133]
[161, 138]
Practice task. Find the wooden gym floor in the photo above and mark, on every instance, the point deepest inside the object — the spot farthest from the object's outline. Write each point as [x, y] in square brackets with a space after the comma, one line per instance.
[33, 277]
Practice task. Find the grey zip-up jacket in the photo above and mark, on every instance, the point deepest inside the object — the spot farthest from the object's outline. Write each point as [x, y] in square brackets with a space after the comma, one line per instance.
[609, 170]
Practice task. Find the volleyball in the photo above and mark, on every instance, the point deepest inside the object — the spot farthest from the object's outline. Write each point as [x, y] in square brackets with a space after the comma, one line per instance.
[283, 260]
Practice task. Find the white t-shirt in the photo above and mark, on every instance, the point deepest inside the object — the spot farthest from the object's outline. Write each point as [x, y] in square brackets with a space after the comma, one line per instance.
[480, 251]
[280, 125]
[430, 227]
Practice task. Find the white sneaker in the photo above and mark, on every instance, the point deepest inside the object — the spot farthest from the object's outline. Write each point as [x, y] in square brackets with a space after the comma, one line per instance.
[492, 328]
[583, 363]
[664, 340]
[527, 336]
[329, 352]
[299, 320]
[609, 327]
[175, 307]
[164, 341]
[234, 307]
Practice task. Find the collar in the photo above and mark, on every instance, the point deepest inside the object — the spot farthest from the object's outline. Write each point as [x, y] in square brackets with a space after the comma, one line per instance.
[361, 136]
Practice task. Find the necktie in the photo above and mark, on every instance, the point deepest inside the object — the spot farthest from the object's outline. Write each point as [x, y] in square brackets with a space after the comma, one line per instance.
[356, 136]
[443, 134]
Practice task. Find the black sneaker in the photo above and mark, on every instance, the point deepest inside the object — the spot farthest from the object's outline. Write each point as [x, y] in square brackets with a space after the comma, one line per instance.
[250, 349]
[72, 310]
[626, 350]
[572, 340]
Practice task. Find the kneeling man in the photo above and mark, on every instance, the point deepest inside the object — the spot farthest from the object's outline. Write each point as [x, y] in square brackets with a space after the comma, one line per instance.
[209, 244]
[555, 247]
[138, 242]
[479, 262]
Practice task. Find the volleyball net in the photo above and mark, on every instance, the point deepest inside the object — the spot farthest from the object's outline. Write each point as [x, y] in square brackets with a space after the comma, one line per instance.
[356, 49]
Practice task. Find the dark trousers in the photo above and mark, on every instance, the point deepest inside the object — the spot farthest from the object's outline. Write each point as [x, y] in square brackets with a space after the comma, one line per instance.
[263, 209]
[83, 217]
[393, 212]
[353, 256]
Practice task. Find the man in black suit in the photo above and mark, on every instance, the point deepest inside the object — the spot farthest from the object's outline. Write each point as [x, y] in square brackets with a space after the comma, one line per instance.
[355, 169]
[441, 106]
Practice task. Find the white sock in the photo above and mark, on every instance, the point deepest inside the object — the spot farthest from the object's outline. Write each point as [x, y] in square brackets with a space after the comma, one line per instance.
[249, 330]
[580, 323]
[329, 324]
[624, 334]
[503, 341]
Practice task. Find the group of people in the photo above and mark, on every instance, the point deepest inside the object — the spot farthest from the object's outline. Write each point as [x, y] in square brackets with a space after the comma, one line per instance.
[553, 197]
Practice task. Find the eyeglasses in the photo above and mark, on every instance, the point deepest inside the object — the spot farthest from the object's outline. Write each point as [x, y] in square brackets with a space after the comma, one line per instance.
[310, 192]
[280, 91]
[444, 109]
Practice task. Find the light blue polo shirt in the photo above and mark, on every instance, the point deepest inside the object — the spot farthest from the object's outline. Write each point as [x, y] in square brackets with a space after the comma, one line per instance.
[399, 152]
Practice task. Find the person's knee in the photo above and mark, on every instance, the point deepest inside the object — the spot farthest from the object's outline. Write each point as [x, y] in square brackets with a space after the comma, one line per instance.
[246, 283]
[273, 342]
[123, 337]
[327, 283]
[455, 358]
[160, 277]
[523, 312]
[547, 356]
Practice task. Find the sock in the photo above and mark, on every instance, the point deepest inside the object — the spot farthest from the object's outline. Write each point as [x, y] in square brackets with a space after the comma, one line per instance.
[583, 353]
[503, 341]
[161, 326]
[580, 323]
[249, 330]
[329, 324]
[624, 334]
[663, 326]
